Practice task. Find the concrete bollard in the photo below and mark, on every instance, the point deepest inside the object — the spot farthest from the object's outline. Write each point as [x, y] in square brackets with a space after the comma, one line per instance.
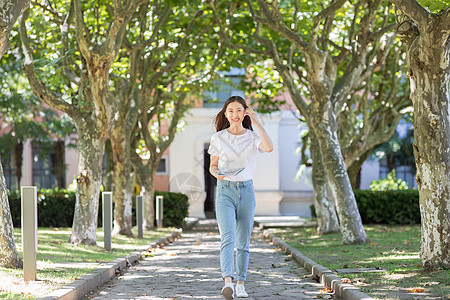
[159, 211]
[139, 216]
[107, 219]
[29, 231]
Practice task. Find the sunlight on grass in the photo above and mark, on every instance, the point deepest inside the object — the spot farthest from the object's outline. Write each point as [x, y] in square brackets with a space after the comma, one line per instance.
[394, 249]
[59, 262]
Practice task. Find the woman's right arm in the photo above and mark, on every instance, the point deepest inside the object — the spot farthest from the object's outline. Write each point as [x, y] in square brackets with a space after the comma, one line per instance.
[214, 169]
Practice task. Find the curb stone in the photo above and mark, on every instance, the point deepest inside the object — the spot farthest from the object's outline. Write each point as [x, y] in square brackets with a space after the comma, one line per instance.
[325, 276]
[88, 282]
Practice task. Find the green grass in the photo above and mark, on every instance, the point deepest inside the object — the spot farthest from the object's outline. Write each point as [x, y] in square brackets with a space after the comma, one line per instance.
[59, 263]
[393, 248]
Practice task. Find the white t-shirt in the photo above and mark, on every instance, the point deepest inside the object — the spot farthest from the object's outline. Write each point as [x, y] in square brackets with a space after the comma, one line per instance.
[235, 152]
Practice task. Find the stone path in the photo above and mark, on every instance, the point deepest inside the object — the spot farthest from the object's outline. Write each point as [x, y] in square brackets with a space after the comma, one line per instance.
[189, 269]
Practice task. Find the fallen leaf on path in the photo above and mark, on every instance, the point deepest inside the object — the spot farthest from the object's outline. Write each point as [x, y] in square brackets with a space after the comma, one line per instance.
[288, 259]
[55, 229]
[197, 243]
[144, 295]
[432, 283]
[345, 251]
[419, 266]
[346, 280]
[403, 265]
[211, 233]
[416, 290]
[327, 290]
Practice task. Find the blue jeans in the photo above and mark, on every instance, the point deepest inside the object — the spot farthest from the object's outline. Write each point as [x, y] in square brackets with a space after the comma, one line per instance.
[235, 210]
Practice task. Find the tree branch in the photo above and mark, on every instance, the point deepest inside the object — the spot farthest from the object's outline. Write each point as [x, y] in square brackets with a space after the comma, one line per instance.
[58, 19]
[415, 11]
[80, 29]
[38, 87]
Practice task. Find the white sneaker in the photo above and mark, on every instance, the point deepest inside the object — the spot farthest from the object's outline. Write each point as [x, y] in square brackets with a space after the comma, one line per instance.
[240, 291]
[228, 291]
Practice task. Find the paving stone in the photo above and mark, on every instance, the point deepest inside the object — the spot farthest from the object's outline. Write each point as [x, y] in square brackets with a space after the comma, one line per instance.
[189, 269]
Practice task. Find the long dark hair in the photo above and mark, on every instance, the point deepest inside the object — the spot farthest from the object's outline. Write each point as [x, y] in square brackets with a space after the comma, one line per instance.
[221, 121]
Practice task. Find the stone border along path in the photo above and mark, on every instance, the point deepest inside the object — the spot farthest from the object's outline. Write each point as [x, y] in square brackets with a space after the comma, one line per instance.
[89, 282]
[343, 290]
[189, 269]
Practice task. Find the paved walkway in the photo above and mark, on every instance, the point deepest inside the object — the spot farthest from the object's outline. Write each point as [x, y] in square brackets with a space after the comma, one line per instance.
[189, 269]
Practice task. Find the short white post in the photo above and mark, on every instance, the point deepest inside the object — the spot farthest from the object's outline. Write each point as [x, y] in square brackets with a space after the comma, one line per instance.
[139, 215]
[107, 219]
[159, 211]
[29, 231]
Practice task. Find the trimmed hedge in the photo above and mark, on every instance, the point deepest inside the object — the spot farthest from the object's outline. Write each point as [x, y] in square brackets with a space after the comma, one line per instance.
[387, 207]
[56, 208]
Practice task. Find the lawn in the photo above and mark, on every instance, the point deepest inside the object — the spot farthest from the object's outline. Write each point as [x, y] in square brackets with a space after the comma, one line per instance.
[59, 263]
[394, 251]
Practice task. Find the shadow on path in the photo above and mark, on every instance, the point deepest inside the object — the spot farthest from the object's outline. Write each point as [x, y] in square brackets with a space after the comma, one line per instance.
[189, 269]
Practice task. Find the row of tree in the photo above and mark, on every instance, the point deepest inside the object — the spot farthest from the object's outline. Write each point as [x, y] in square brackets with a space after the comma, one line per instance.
[116, 69]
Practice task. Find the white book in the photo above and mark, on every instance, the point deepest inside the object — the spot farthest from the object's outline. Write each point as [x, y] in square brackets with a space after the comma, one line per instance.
[232, 172]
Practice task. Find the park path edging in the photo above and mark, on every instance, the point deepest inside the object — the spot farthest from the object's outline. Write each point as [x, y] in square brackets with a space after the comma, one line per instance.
[327, 277]
[89, 282]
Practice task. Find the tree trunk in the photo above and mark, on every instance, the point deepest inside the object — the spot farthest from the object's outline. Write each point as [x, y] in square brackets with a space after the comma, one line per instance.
[9, 258]
[145, 176]
[350, 220]
[91, 145]
[325, 210]
[354, 170]
[10, 11]
[18, 153]
[58, 162]
[429, 68]
[107, 179]
[123, 182]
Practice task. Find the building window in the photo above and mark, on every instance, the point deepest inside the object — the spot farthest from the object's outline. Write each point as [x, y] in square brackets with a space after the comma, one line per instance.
[9, 171]
[43, 169]
[162, 167]
[224, 89]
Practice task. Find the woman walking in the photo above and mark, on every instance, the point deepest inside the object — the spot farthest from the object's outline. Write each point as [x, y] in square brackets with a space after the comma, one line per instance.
[233, 151]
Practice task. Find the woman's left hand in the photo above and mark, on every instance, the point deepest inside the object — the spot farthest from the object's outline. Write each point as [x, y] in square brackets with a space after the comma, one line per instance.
[251, 113]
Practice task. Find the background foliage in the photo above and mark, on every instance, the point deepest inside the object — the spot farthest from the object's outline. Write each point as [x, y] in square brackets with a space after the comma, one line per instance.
[56, 208]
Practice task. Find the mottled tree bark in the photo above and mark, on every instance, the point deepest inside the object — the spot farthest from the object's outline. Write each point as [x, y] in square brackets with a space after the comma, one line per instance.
[9, 258]
[10, 10]
[354, 170]
[122, 180]
[308, 64]
[428, 56]
[94, 108]
[327, 220]
[89, 181]
[18, 155]
[145, 175]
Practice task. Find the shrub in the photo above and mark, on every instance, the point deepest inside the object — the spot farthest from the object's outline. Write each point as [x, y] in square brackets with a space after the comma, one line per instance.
[387, 207]
[56, 208]
[390, 183]
[175, 208]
